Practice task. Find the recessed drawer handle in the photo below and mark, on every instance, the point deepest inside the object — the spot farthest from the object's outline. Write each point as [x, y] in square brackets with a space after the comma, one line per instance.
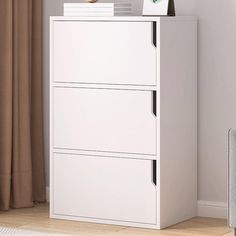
[154, 172]
[154, 33]
[154, 103]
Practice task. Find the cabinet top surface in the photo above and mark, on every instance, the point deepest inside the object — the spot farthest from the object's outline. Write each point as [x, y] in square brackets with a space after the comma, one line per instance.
[124, 18]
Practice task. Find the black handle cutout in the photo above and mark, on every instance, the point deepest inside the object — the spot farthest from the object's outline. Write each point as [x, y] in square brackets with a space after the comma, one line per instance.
[154, 102]
[154, 172]
[171, 8]
[154, 33]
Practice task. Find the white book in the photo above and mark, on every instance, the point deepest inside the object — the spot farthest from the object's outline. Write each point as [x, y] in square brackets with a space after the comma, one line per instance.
[89, 5]
[102, 10]
[88, 14]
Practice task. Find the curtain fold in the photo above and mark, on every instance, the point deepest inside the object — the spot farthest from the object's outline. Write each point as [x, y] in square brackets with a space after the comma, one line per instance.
[22, 178]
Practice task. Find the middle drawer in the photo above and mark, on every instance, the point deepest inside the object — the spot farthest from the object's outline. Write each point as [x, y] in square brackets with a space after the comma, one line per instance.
[105, 120]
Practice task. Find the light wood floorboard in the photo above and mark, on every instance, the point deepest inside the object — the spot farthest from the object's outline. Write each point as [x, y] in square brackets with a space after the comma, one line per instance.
[37, 219]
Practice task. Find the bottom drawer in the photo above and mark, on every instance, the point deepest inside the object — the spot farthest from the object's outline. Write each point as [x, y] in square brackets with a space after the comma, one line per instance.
[104, 187]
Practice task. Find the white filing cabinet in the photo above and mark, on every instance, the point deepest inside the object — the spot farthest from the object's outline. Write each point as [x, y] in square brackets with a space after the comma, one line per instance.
[123, 120]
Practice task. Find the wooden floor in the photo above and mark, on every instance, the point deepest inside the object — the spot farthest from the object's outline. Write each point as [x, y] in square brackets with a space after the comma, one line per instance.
[37, 219]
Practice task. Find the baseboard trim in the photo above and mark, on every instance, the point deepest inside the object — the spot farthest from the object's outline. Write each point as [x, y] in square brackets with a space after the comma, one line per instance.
[47, 194]
[212, 209]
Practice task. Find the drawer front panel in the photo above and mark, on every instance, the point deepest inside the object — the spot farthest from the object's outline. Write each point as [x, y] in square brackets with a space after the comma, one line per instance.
[104, 188]
[104, 52]
[104, 120]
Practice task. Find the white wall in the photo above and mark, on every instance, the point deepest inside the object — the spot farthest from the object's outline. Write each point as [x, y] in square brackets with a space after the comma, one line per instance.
[217, 94]
[217, 85]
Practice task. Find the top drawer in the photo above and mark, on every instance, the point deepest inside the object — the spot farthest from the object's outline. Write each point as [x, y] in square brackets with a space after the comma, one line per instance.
[104, 52]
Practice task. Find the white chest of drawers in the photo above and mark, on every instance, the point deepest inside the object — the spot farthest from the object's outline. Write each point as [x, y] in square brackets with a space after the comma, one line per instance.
[123, 120]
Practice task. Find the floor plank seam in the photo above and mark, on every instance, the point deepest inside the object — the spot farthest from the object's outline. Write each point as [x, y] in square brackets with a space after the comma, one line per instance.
[123, 229]
[227, 233]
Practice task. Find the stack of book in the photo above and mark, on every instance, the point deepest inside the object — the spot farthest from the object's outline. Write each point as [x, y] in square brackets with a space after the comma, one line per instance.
[97, 9]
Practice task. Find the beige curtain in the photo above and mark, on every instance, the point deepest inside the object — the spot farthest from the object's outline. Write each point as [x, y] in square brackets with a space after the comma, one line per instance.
[22, 178]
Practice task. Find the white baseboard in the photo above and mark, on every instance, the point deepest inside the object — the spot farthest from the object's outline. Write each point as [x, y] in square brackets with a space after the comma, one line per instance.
[47, 194]
[212, 209]
[205, 208]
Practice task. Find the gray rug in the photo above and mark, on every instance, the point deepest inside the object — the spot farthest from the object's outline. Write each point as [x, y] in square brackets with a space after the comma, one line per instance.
[21, 232]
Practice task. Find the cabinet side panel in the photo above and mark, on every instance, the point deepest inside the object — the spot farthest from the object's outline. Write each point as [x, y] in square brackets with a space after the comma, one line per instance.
[178, 121]
[51, 114]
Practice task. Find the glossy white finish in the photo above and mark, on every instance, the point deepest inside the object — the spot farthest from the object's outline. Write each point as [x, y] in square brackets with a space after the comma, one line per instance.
[105, 52]
[175, 130]
[118, 189]
[104, 120]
